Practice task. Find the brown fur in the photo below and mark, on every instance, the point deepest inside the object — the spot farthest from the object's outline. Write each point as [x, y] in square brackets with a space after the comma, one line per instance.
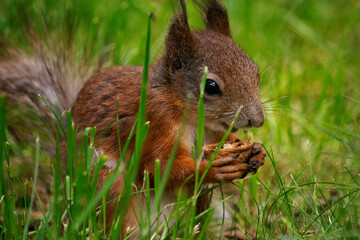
[177, 74]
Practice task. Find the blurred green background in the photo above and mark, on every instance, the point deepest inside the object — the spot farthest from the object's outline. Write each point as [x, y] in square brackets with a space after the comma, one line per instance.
[307, 52]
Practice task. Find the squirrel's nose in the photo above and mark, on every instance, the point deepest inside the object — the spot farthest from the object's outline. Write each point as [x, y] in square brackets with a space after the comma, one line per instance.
[257, 118]
[256, 123]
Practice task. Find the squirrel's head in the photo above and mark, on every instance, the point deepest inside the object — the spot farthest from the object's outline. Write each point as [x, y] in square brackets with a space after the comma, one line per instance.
[233, 78]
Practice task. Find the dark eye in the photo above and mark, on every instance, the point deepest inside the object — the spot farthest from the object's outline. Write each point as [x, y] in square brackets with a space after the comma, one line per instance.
[212, 88]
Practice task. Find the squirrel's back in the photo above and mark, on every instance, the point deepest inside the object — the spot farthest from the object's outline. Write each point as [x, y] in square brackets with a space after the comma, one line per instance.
[116, 91]
[110, 89]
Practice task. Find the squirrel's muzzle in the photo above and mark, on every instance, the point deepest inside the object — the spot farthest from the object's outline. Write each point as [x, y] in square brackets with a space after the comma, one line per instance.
[251, 115]
[256, 115]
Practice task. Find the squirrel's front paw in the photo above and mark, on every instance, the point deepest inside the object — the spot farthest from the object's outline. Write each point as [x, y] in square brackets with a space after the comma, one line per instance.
[257, 158]
[235, 160]
[233, 167]
[228, 169]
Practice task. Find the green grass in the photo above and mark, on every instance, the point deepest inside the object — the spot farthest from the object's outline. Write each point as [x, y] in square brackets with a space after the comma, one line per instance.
[306, 51]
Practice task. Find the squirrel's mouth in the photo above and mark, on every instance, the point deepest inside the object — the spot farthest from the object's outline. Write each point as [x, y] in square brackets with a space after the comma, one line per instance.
[226, 126]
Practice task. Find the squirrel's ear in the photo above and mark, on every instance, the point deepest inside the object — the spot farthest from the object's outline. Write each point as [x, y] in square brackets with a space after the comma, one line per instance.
[180, 44]
[216, 17]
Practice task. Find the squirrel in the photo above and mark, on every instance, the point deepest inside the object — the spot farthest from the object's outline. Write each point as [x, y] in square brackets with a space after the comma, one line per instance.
[232, 82]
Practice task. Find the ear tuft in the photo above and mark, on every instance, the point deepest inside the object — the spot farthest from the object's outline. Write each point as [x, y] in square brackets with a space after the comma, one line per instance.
[180, 45]
[216, 17]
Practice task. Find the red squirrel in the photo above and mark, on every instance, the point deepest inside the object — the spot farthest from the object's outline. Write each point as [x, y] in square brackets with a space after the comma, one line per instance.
[232, 82]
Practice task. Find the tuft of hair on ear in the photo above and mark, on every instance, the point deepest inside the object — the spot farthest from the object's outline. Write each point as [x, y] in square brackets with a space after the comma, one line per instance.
[215, 16]
[180, 45]
[179, 6]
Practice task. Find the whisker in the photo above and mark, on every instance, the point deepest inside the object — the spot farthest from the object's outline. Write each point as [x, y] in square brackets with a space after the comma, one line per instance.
[262, 96]
[272, 106]
[274, 99]
[264, 70]
[273, 109]
[275, 115]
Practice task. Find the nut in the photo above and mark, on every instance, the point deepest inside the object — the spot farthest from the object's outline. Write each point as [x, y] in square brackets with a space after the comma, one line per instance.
[238, 149]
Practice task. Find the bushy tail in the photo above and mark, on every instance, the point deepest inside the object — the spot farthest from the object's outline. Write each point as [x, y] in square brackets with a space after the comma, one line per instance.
[25, 76]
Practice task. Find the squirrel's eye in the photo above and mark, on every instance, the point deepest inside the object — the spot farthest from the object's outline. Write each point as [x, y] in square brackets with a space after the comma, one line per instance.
[212, 88]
